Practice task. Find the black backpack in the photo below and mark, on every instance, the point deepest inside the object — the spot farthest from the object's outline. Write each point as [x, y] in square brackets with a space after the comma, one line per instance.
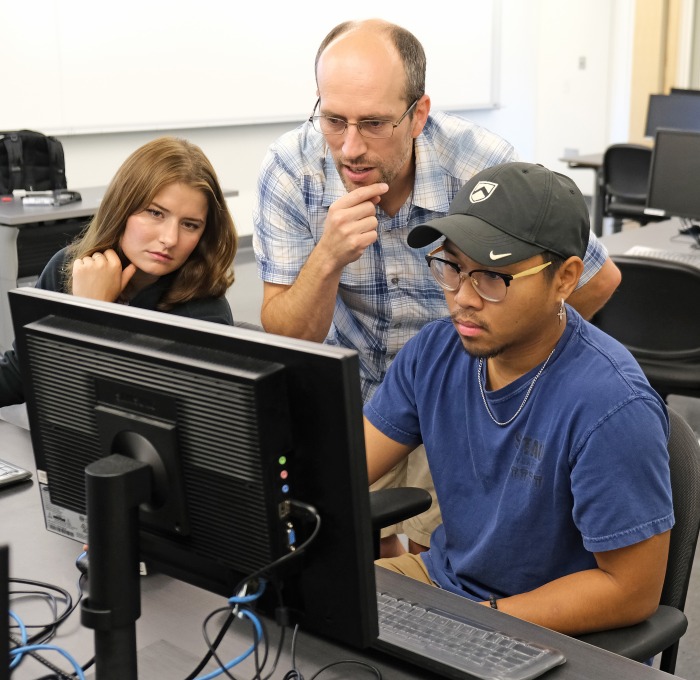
[32, 161]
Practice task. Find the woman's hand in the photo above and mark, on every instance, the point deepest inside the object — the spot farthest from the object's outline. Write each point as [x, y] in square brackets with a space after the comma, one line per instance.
[101, 277]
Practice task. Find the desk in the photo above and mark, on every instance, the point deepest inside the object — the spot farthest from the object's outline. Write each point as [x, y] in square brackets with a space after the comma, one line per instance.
[662, 235]
[172, 612]
[29, 236]
[593, 161]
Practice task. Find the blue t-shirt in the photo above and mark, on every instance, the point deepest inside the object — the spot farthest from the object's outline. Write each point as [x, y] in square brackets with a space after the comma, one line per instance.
[583, 468]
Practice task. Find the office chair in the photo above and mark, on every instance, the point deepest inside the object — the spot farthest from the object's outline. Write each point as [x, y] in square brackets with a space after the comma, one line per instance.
[655, 313]
[389, 506]
[625, 176]
[661, 633]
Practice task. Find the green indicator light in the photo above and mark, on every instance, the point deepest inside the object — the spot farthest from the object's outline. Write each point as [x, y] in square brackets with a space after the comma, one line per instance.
[282, 460]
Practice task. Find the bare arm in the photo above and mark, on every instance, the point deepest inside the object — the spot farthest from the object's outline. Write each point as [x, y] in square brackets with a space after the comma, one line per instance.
[589, 298]
[383, 453]
[623, 590]
[305, 309]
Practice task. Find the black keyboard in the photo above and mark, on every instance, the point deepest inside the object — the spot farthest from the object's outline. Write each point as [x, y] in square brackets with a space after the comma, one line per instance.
[11, 474]
[457, 646]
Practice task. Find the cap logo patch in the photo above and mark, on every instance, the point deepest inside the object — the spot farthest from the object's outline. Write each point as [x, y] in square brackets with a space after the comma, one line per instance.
[482, 191]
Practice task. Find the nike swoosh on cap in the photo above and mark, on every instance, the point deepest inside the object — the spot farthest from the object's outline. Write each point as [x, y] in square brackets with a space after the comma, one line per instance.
[493, 255]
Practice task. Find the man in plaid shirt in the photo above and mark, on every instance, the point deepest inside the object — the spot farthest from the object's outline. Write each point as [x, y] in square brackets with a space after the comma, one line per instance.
[337, 197]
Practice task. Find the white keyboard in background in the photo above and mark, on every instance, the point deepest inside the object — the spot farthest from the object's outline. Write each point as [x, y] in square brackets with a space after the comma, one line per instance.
[684, 257]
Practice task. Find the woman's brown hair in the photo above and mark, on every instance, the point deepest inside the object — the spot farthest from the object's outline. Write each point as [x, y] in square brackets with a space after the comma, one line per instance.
[208, 271]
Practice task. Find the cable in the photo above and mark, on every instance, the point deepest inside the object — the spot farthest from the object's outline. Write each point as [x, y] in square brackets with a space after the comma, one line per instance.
[258, 632]
[224, 628]
[355, 662]
[280, 645]
[212, 648]
[243, 583]
[690, 229]
[309, 509]
[23, 635]
[18, 651]
[48, 631]
[295, 674]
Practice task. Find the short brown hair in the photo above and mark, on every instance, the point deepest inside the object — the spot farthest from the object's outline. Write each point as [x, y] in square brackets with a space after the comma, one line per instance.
[208, 271]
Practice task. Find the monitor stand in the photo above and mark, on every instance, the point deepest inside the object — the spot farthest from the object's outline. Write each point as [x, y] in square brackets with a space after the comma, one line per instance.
[116, 487]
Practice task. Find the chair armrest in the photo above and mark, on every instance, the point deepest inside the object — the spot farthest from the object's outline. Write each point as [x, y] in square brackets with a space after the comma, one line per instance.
[389, 506]
[643, 640]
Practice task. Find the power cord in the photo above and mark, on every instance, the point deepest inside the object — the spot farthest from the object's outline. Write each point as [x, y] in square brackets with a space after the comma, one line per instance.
[242, 587]
[295, 674]
[47, 631]
[239, 610]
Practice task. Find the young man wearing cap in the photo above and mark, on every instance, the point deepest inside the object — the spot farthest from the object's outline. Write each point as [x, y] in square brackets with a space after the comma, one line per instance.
[338, 195]
[546, 443]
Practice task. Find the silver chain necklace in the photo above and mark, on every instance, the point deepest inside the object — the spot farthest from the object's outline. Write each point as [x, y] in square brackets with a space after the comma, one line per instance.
[527, 394]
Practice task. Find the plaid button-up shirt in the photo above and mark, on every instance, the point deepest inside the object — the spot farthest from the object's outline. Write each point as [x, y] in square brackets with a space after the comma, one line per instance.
[387, 295]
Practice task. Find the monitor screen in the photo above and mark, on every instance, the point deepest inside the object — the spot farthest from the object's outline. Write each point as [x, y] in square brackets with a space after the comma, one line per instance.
[673, 178]
[232, 423]
[678, 111]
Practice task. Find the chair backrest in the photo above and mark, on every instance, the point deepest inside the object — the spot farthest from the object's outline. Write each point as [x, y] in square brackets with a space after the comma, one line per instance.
[654, 311]
[684, 458]
[626, 172]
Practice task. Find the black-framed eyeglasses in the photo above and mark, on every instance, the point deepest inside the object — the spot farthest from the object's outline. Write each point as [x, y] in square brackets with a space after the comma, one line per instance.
[373, 128]
[490, 285]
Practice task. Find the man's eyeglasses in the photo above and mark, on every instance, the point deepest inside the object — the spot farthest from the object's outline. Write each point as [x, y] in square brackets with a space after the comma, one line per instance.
[374, 128]
[491, 286]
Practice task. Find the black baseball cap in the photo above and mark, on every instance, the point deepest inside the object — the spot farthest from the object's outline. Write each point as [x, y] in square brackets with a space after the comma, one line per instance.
[509, 213]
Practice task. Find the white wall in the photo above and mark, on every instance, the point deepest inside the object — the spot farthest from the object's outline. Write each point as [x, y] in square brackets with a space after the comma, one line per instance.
[548, 103]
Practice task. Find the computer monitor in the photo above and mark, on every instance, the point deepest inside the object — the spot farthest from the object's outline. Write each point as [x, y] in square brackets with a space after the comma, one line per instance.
[4, 613]
[683, 90]
[673, 178]
[677, 111]
[231, 424]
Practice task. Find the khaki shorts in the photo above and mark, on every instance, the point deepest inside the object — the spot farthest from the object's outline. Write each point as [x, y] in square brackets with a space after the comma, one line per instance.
[407, 564]
[413, 471]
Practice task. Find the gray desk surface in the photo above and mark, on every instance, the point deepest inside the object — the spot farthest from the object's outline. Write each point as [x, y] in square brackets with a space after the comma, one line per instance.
[662, 235]
[172, 612]
[15, 214]
[591, 160]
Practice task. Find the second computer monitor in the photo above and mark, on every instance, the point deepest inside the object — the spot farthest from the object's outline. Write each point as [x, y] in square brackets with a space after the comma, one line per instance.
[673, 179]
[677, 111]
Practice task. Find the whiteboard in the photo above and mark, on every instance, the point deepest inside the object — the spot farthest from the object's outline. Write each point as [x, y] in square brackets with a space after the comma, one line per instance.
[88, 66]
